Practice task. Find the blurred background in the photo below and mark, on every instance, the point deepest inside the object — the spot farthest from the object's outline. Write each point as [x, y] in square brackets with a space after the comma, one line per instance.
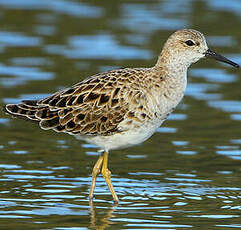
[186, 176]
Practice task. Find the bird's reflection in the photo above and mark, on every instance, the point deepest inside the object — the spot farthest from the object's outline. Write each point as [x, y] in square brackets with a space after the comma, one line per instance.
[103, 221]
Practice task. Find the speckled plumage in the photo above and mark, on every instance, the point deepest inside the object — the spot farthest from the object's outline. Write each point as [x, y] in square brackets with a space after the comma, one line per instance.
[109, 103]
[123, 107]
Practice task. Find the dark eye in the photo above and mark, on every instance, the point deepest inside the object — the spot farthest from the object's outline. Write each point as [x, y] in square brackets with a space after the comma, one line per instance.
[190, 43]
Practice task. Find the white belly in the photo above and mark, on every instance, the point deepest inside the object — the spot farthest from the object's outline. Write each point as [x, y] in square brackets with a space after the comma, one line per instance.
[123, 139]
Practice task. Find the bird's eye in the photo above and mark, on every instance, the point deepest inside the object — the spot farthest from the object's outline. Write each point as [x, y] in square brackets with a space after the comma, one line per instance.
[190, 43]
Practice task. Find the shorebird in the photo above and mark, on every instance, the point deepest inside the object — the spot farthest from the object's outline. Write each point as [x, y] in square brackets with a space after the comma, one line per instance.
[120, 108]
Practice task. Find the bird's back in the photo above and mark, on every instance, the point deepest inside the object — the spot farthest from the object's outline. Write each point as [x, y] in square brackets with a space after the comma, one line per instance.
[103, 104]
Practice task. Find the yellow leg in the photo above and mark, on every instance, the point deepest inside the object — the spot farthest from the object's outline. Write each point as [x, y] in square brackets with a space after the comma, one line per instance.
[95, 173]
[106, 174]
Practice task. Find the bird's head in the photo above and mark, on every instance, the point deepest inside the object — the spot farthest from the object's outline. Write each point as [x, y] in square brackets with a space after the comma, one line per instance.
[187, 46]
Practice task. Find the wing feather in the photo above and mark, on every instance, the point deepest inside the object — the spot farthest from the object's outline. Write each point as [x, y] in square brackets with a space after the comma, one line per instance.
[95, 106]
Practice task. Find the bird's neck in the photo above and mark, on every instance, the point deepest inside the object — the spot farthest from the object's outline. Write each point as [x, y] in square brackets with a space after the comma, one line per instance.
[172, 62]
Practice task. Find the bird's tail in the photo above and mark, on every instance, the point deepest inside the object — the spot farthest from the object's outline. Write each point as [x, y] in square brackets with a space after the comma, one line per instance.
[26, 110]
[33, 110]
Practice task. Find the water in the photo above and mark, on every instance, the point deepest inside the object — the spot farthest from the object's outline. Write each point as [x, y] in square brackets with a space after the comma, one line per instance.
[187, 176]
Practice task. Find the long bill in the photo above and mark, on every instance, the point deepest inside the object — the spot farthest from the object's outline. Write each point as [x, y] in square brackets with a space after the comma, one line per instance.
[211, 54]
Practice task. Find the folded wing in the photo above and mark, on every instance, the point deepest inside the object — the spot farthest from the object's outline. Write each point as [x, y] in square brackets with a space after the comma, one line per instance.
[95, 106]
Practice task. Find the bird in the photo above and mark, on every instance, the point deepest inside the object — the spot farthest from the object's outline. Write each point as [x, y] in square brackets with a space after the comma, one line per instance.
[120, 108]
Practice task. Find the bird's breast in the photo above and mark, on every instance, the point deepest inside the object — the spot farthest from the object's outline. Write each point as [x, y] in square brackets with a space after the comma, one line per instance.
[169, 96]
